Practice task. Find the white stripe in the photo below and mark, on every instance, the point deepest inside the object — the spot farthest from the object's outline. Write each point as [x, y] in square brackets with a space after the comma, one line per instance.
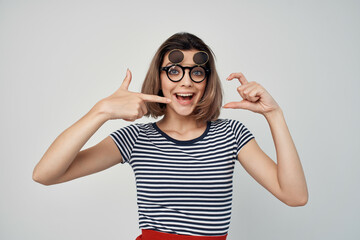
[191, 203]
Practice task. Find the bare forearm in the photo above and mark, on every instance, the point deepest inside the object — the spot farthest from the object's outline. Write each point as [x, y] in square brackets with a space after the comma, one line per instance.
[289, 170]
[67, 145]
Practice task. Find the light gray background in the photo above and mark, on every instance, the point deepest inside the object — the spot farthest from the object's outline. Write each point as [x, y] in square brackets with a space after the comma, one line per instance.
[58, 58]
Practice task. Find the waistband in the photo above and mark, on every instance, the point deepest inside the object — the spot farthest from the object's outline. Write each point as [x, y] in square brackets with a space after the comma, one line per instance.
[147, 234]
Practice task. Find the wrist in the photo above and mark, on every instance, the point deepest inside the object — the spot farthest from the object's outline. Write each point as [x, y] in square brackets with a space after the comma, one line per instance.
[273, 113]
[99, 110]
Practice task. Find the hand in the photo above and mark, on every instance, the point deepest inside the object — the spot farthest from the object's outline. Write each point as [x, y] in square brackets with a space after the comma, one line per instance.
[255, 97]
[127, 105]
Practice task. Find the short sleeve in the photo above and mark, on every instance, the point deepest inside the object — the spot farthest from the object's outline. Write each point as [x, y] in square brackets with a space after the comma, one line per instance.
[125, 139]
[242, 134]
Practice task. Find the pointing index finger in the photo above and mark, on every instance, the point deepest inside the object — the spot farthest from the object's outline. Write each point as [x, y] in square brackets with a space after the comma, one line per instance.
[154, 98]
[239, 76]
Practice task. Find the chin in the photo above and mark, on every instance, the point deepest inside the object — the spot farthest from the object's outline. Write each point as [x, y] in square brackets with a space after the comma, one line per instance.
[183, 112]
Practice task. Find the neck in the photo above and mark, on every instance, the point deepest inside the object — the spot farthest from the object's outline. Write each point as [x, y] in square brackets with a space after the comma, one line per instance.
[180, 123]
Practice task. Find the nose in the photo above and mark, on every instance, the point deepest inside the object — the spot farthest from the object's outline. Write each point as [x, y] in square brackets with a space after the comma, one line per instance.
[186, 81]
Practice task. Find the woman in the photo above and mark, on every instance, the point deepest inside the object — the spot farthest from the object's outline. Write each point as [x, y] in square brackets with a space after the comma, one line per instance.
[183, 163]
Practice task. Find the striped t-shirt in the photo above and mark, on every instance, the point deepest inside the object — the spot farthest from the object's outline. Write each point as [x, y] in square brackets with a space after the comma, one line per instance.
[183, 187]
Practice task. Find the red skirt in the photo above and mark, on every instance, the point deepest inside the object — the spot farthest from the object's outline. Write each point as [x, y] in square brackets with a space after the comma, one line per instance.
[155, 235]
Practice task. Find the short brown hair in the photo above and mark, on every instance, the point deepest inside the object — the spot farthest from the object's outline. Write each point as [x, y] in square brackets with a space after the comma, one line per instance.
[208, 108]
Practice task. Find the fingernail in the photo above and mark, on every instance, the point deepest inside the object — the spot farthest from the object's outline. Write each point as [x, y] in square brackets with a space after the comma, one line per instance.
[168, 100]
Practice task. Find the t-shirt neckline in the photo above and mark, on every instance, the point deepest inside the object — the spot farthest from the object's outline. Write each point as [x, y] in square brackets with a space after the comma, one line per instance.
[182, 142]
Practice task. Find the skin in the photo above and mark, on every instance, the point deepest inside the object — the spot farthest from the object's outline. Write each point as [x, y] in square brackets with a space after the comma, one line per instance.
[285, 180]
[63, 161]
[127, 105]
[176, 122]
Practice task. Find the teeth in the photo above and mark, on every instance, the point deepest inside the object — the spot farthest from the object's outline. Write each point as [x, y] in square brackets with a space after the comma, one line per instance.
[184, 94]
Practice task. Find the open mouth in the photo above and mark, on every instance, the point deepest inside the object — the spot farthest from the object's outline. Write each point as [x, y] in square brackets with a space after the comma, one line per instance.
[184, 96]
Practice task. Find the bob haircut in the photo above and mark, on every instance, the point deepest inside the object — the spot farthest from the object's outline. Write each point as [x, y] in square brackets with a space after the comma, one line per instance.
[208, 108]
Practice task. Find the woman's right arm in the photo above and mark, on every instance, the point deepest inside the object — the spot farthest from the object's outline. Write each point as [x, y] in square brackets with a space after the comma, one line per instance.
[64, 161]
[64, 151]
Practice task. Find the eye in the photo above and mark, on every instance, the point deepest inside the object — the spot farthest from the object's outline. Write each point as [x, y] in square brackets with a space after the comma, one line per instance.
[175, 70]
[198, 71]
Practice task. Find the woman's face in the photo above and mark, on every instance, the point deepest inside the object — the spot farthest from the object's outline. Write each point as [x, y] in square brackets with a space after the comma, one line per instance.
[184, 94]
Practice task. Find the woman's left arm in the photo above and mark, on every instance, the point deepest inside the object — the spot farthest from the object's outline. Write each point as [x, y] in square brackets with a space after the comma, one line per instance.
[285, 180]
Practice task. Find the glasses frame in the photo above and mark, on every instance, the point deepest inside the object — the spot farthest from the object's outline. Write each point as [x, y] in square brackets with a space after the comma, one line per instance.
[166, 68]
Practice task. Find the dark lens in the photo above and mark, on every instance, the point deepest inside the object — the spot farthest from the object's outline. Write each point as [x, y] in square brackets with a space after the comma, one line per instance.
[200, 58]
[175, 73]
[176, 56]
[198, 74]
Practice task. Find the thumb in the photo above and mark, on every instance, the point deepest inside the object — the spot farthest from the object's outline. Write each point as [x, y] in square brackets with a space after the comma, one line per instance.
[125, 84]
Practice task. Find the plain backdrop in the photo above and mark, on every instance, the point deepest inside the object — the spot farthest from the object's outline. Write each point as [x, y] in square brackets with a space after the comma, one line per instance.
[58, 58]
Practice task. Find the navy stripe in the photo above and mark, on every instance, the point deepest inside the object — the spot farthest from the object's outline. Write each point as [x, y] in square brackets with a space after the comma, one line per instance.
[183, 187]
